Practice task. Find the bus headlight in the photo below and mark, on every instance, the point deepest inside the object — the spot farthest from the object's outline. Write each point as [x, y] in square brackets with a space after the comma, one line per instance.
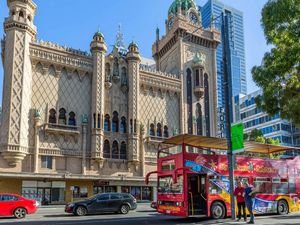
[179, 203]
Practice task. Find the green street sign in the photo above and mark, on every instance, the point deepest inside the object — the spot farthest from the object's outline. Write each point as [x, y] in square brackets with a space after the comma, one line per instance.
[237, 137]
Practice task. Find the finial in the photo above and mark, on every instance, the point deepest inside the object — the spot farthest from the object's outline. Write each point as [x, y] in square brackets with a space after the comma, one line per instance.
[119, 38]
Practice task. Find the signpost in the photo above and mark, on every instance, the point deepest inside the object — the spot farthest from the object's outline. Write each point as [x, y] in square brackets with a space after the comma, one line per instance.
[237, 138]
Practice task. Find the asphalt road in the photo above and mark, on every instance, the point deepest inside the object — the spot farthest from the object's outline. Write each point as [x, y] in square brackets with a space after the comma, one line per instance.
[142, 216]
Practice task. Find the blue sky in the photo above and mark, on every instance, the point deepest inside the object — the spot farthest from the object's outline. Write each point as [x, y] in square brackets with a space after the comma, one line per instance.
[73, 23]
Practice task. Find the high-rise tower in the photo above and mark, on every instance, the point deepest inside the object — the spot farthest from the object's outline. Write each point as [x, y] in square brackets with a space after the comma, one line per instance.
[213, 9]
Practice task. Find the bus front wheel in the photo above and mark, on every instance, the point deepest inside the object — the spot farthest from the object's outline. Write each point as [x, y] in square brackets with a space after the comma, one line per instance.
[217, 210]
[282, 207]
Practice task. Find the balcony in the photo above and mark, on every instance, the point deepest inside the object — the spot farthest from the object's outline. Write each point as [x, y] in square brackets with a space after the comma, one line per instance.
[199, 91]
[61, 129]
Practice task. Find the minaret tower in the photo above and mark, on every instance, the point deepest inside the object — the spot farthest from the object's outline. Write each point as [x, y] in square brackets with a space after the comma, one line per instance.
[19, 32]
[98, 49]
[133, 58]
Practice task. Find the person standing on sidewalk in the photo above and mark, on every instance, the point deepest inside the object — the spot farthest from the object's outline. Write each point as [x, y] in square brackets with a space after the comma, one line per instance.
[239, 193]
[249, 195]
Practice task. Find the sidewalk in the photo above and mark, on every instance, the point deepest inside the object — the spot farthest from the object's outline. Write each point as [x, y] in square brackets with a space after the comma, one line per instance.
[292, 218]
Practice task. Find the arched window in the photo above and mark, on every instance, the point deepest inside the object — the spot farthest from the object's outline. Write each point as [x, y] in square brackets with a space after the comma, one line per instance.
[107, 123]
[123, 151]
[39, 68]
[107, 72]
[62, 116]
[189, 100]
[123, 125]
[201, 78]
[131, 126]
[124, 76]
[116, 67]
[197, 78]
[158, 130]
[152, 132]
[115, 150]
[94, 120]
[72, 119]
[106, 149]
[99, 119]
[21, 14]
[199, 119]
[115, 122]
[166, 131]
[206, 101]
[52, 116]
[51, 70]
[29, 18]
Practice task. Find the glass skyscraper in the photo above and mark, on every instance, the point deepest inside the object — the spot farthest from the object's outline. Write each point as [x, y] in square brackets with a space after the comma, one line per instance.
[213, 9]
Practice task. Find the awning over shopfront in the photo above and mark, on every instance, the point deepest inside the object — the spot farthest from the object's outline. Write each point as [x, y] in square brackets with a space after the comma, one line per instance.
[221, 144]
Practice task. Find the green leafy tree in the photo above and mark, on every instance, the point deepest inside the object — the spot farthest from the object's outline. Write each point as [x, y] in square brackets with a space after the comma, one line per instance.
[254, 134]
[279, 74]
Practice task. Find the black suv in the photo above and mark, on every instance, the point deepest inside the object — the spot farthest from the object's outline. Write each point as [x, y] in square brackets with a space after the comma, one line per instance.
[101, 203]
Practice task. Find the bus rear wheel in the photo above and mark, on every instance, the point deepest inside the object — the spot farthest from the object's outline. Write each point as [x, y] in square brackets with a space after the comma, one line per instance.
[282, 207]
[217, 210]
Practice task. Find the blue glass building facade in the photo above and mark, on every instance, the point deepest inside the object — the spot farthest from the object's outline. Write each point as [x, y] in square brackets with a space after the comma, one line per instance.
[273, 127]
[214, 8]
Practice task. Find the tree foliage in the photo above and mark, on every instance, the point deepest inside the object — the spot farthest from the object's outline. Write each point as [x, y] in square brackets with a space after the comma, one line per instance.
[279, 74]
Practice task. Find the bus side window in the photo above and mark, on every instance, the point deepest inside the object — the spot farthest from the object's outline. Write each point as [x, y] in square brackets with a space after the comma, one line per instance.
[292, 185]
[262, 184]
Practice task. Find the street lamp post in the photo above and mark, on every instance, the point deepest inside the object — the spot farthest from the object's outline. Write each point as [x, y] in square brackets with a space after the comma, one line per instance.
[228, 104]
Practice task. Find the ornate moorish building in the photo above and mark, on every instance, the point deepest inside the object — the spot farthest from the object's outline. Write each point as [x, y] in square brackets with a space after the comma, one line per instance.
[75, 123]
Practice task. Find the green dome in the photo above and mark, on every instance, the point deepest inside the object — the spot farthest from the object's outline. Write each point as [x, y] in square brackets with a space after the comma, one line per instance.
[99, 34]
[133, 44]
[184, 4]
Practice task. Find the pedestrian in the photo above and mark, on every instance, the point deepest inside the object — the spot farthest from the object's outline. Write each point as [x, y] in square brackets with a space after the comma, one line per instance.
[239, 193]
[249, 195]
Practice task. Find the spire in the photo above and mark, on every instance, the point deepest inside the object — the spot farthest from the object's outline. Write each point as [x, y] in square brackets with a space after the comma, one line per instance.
[119, 38]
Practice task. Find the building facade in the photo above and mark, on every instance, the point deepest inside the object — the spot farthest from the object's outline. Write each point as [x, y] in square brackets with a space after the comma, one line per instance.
[274, 127]
[212, 11]
[77, 123]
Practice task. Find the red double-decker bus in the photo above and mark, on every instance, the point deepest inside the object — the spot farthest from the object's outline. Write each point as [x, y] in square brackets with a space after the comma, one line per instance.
[192, 179]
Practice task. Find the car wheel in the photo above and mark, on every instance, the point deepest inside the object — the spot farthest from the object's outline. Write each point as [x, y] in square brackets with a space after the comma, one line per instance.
[282, 207]
[80, 211]
[217, 210]
[124, 209]
[20, 213]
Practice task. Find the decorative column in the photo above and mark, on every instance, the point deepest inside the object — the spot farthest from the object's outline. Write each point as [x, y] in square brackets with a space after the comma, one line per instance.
[133, 58]
[98, 49]
[84, 123]
[19, 33]
[37, 125]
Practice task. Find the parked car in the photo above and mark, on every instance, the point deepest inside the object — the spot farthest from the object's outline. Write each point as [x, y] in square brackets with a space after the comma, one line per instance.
[16, 205]
[153, 205]
[101, 203]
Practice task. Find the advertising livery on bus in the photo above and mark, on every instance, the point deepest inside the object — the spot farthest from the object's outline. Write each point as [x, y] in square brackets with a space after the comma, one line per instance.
[193, 181]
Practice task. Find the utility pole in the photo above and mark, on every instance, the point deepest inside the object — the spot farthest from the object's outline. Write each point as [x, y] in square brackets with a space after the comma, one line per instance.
[228, 104]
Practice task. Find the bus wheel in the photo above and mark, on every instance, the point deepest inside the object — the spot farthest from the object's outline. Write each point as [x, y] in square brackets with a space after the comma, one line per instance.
[282, 207]
[217, 210]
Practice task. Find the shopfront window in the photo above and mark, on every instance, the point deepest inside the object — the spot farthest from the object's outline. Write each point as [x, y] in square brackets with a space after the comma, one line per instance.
[136, 192]
[125, 189]
[146, 193]
[80, 192]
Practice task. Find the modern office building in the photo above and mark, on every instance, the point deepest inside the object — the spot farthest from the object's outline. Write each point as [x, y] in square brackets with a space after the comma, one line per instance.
[246, 110]
[75, 123]
[212, 11]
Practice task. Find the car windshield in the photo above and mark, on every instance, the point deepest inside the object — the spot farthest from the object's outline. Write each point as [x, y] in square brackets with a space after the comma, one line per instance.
[166, 185]
[92, 197]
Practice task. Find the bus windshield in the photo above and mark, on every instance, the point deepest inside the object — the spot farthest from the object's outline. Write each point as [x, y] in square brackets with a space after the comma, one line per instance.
[166, 185]
[169, 151]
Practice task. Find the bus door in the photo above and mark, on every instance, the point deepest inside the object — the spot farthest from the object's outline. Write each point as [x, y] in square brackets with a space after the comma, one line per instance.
[197, 195]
